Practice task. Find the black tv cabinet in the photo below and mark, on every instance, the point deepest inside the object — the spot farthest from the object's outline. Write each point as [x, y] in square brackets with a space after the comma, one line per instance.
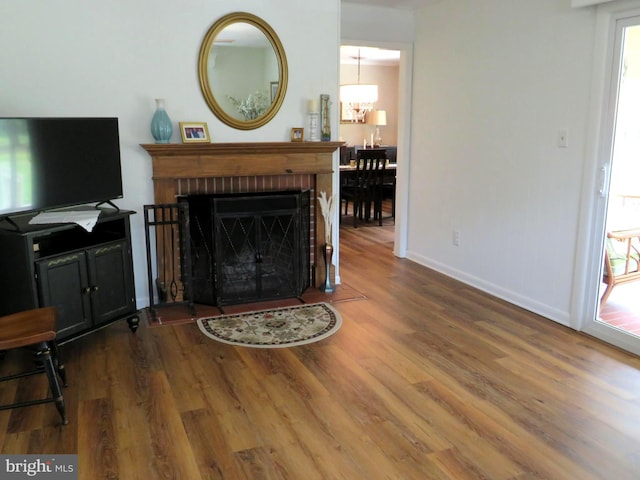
[88, 276]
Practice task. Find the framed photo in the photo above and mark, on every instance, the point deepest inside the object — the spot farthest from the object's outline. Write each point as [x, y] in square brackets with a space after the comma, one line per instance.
[347, 116]
[193, 132]
[297, 134]
[274, 90]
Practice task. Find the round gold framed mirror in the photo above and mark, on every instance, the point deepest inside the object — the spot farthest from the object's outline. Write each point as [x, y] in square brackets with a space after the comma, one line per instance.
[243, 71]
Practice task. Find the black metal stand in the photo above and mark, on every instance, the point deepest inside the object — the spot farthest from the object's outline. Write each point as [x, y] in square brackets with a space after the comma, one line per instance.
[167, 230]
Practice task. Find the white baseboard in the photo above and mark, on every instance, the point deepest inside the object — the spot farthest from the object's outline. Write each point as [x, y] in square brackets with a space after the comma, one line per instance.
[521, 301]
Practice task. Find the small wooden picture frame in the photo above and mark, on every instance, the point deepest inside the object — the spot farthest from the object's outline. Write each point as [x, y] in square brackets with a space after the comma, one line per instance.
[297, 134]
[194, 132]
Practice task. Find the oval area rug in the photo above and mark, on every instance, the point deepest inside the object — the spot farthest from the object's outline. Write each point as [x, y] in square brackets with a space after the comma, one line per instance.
[274, 328]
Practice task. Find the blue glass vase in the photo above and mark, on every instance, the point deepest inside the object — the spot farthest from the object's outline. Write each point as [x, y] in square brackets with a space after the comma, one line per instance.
[161, 127]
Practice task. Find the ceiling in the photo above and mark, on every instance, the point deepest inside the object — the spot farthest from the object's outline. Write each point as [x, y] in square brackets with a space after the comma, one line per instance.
[402, 4]
[368, 55]
[378, 56]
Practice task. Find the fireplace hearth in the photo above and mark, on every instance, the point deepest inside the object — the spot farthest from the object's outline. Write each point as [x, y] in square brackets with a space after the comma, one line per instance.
[249, 247]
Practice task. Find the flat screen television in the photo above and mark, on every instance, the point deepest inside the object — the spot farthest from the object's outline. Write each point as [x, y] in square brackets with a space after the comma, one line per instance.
[48, 163]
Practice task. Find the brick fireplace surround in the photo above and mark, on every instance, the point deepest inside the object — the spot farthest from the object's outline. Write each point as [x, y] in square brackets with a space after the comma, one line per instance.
[202, 168]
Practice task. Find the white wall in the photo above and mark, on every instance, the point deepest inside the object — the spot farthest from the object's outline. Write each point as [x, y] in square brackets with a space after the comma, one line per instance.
[113, 58]
[494, 82]
[368, 22]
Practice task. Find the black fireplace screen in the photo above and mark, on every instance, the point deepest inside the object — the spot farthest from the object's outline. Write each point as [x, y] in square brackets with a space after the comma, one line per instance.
[249, 247]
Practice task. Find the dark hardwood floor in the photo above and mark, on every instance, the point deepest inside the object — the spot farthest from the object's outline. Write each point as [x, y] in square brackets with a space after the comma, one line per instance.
[427, 379]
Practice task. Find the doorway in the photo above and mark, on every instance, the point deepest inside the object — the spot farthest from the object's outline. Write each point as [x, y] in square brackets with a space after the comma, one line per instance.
[619, 306]
[403, 140]
[369, 125]
[615, 207]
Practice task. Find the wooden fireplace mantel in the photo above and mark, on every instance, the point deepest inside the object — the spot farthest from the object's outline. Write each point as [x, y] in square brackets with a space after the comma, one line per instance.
[241, 159]
[175, 162]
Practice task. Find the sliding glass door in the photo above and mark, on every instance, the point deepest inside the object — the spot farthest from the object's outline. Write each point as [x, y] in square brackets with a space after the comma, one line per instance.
[617, 290]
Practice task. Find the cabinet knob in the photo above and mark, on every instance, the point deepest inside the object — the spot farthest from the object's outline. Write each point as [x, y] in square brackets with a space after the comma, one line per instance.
[86, 290]
[94, 288]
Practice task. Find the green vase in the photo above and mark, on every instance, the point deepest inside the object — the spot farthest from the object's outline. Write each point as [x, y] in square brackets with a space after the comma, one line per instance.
[161, 127]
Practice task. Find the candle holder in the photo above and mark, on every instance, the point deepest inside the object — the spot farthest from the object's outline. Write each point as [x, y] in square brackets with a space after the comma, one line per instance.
[314, 126]
[325, 118]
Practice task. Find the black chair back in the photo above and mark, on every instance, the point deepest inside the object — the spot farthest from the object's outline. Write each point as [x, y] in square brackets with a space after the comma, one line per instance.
[369, 179]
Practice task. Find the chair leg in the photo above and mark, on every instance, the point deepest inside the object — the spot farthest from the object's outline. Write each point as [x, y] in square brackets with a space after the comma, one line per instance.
[393, 201]
[606, 294]
[62, 372]
[54, 385]
[356, 207]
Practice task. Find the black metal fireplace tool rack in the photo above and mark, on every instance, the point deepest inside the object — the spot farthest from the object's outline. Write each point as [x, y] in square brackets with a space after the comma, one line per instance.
[168, 244]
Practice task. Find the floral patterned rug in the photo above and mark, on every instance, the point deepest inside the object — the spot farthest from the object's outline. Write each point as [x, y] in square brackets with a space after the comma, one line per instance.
[275, 328]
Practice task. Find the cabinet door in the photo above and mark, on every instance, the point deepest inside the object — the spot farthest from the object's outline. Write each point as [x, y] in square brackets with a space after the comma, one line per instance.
[111, 282]
[63, 283]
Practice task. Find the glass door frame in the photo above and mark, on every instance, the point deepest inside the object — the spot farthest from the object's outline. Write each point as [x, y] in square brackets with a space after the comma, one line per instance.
[612, 19]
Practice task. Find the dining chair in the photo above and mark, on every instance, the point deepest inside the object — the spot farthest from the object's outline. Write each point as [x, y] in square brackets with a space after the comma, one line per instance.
[621, 260]
[365, 192]
[35, 330]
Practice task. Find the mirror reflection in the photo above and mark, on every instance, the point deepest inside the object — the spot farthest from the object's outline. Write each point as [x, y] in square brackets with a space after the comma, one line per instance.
[242, 71]
[242, 66]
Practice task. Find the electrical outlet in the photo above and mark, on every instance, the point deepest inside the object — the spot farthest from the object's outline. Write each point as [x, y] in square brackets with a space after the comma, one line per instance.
[455, 238]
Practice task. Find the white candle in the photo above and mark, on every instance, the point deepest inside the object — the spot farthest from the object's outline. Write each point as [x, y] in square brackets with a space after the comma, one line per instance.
[364, 144]
[371, 140]
[313, 106]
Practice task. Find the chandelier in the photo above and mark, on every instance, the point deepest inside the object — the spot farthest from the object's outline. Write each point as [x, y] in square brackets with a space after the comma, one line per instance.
[358, 98]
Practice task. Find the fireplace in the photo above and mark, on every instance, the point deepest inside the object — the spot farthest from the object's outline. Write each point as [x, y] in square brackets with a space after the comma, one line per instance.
[249, 247]
[202, 168]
